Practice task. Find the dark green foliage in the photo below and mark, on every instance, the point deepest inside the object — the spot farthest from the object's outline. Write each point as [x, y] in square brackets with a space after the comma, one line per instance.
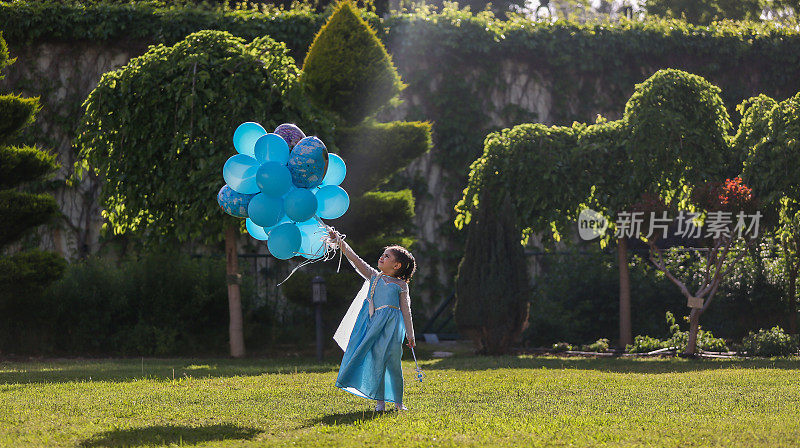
[773, 148]
[23, 275]
[5, 60]
[492, 287]
[33, 268]
[576, 298]
[674, 132]
[23, 308]
[347, 70]
[533, 164]
[678, 129]
[604, 148]
[21, 164]
[379, 213]
[375, 151]
[164, 123]
[561, 347]
[769, 343]
[17, 112]
[21, 212]
[25, 22]
[705, 11]
[753, 128]
[157, 304]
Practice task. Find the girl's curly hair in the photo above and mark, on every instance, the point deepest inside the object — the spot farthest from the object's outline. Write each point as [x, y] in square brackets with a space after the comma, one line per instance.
[408, 264]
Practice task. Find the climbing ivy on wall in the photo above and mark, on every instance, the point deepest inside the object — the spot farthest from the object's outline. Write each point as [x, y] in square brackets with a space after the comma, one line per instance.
[452, 61]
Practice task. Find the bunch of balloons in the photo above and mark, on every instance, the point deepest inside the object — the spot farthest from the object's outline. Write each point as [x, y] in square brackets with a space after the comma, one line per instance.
[283, 183]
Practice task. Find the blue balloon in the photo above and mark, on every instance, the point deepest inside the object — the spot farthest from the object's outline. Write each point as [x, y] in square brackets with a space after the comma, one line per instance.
[273, 179]
[283, 241]
[255, 230]
[239, 173]
[313, 234]
[272, 148]
[264, 210]
[245, 137]
[233, 203]
[336, 170]
[333, 202]
[308, 162]
[300, 205]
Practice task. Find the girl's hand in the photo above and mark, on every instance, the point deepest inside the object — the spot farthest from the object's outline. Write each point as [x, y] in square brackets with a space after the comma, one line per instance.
[411, 344]
[333, 235]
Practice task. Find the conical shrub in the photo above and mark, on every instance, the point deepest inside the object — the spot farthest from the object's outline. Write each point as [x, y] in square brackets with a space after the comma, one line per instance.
[347, 70]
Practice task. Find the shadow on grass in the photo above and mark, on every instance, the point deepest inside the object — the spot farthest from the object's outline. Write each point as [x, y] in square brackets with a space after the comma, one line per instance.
[167, 435]
[124, 370]
[613, 365]
[347, 418]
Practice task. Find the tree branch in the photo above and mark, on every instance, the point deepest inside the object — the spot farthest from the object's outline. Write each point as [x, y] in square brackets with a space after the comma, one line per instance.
[660, 265]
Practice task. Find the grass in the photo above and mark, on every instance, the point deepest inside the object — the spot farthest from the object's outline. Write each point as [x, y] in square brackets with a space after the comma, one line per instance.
[465, 401]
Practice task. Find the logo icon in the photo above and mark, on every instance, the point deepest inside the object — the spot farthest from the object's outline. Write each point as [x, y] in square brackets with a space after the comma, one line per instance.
[591, 224]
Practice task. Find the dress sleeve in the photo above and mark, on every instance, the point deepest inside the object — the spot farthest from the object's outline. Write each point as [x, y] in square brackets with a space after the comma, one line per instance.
[361, 266]
[405, 308]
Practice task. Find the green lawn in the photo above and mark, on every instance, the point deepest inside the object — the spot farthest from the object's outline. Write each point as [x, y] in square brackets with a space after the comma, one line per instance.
[509, 401]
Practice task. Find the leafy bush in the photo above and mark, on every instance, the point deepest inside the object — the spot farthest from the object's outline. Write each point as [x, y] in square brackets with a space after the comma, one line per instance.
[158, 304]
[599, 346]
[645, 344]
[23, 304]
[560, 347]
[768, 343]
[678, 340]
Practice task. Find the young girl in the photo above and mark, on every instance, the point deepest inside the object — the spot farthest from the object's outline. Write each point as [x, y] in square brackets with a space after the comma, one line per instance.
[371, 363]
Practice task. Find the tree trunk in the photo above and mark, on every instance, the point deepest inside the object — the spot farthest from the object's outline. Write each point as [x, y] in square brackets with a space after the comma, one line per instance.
[625, 334]
[694, 328]
[235, 333]
[792, 297]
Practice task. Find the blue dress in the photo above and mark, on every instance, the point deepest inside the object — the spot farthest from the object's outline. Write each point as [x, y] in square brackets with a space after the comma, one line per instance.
[371, 364]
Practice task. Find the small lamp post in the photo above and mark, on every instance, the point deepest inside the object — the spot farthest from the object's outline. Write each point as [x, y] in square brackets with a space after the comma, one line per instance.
[318, 297]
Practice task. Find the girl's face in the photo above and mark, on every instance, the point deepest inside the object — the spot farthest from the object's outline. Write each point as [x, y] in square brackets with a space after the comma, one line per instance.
[388, 263]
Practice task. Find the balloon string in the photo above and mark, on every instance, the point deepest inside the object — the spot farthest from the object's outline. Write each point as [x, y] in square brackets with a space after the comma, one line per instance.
[330, 253]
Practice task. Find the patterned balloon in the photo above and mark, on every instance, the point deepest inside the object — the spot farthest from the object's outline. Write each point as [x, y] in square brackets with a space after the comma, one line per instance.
[308, 162]
[291, 133]
[232, 202]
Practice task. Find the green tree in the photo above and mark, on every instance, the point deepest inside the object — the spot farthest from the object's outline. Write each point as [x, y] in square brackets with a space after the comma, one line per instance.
[673, 135]
[703, 12]
[769, 134]
[25, 274]
[492, 286]
[159, 130]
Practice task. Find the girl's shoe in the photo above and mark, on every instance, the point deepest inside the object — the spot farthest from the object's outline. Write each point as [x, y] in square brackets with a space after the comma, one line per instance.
[380, 407]
[400, 408]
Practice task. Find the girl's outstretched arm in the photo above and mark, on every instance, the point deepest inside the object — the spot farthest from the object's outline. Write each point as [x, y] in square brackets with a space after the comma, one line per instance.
[405, 308]
[361, 266]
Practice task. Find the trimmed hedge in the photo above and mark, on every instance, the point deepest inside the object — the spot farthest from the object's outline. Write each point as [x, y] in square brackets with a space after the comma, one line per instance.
[347, 70]
[400, 142]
